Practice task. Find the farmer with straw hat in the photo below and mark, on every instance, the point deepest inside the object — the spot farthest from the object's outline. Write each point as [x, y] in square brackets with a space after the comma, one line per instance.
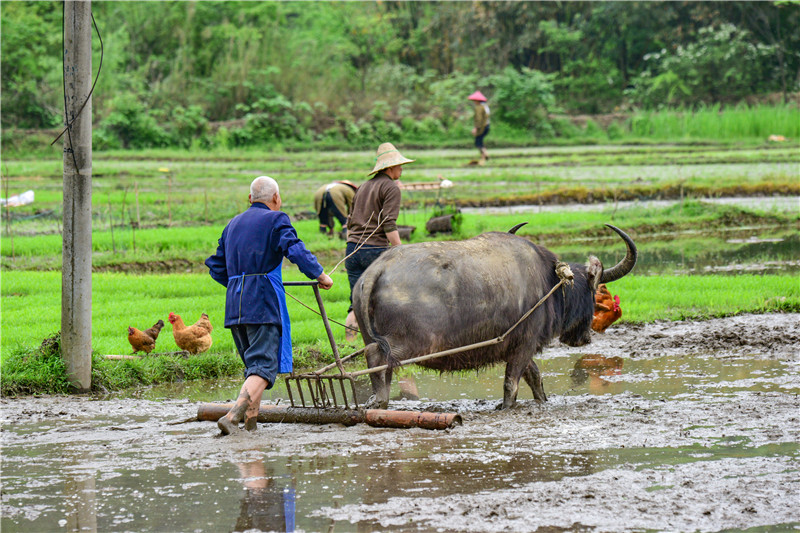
[372, 224]
[334, 202]
[481, 123]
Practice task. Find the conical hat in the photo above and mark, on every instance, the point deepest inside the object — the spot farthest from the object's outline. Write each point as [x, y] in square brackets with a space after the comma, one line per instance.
[388, 156]
[477, 96]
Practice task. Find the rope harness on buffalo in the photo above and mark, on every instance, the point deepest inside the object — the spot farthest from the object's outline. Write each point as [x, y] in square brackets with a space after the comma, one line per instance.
[330, 391]
[566, 278]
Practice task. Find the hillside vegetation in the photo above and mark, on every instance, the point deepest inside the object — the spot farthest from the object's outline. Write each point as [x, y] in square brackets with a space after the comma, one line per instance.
[233, 74]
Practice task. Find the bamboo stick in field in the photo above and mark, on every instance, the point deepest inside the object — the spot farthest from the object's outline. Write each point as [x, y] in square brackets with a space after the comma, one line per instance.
[169, 200]
[111, 224]
[136, 193]
[124, 201]
[8, 218]
[205, 213]
[133, 228]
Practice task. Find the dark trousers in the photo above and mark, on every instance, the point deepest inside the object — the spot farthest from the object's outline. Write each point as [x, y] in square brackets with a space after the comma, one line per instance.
[357, 263]
[329, 209]
[259, 347]
[479, 138]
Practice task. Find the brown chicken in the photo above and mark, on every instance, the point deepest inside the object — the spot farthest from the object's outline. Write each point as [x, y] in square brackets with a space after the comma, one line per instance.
[193, 339]
[606, 309]
[144, 341]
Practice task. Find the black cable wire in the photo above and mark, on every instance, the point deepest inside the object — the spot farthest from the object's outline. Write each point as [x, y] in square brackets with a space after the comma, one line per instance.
[64, 83]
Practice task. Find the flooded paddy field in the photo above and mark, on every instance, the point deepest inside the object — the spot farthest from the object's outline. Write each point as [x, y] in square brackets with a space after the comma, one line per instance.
[671, 426]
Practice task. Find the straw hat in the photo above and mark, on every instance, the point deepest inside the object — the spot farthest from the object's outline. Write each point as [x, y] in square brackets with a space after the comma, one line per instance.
[477, 96]
[388, 156]
[349, 183]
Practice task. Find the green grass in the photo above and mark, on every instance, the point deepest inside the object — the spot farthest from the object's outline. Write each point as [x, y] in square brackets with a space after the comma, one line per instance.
[41, 370]
[212, 187]
[714, 123]
[189, 246]
[31, 306]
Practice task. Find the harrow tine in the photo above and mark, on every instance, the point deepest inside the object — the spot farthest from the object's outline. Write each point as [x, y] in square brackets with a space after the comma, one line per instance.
[312, 393]
[321, 394]
[333, 392]
[288, 381]
[344, 393]
[353, 390]
[300, 391]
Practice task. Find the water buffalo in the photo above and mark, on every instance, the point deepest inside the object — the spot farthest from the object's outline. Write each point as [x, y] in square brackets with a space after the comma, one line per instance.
[418, 299]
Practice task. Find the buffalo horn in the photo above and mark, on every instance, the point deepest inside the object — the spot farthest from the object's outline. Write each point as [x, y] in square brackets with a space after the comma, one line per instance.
[513, 230]
[626, 265]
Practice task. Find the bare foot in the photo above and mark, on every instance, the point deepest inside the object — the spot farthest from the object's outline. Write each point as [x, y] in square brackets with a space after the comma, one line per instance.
[227, 426]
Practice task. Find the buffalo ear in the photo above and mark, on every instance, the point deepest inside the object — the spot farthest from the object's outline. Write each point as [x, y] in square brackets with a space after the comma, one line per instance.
[594, 271]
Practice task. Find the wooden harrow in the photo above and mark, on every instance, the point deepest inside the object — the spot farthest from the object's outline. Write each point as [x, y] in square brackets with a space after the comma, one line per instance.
[322, 388]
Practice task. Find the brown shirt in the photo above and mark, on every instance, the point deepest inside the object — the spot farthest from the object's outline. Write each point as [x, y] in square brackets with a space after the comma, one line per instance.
[481, 117]
[341, 194]
[379, 193]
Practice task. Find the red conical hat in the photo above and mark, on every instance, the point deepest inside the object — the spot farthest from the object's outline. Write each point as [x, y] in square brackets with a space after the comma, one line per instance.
[477, 96]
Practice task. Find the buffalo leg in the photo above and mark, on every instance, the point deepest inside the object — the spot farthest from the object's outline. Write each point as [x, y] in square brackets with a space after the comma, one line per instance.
[515, 367]
[380, 380]
[534, 380]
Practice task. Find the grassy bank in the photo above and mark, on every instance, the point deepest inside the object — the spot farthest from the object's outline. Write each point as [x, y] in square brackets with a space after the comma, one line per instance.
[122, 300]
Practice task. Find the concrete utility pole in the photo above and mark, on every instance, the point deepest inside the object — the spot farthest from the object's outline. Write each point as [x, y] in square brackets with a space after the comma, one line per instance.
[76, 273]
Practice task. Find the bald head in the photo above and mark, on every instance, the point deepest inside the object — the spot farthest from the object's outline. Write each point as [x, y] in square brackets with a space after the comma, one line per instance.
[263, 189]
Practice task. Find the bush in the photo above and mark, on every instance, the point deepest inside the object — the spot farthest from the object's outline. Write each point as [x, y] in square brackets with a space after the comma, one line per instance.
[273, 119]
[188, 124]
[131, 123]
[721, 63]
[615, 131]
[520, 97]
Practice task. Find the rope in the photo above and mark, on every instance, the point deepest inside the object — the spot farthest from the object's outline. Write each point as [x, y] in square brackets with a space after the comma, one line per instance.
[360, 244]
[562, 271]
[290, 295]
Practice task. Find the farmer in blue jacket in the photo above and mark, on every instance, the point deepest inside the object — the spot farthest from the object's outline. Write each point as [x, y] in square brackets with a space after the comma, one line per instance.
[248, 262]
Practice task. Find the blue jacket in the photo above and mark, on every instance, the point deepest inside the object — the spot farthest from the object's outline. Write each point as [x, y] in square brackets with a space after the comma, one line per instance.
[253, 245]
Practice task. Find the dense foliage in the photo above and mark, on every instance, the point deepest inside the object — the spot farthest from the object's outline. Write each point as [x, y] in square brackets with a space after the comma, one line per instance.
[244, 73]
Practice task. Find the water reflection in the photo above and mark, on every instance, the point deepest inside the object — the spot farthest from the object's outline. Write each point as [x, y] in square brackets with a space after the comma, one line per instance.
[592, 368]
[80, 497]
[746, 251]
[268, 503]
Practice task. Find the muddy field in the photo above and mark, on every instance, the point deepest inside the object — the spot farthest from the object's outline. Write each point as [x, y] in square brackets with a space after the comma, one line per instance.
[666, 427]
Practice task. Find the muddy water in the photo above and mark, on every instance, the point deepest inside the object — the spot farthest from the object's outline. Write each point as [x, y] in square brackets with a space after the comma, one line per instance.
[788, 204]
[667, 427]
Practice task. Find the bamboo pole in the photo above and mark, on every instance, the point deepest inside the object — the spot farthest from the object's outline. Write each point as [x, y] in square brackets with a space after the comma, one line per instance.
[276, 414]
[169, 199]
[136, 189]
[8, 218]
[111, 224]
